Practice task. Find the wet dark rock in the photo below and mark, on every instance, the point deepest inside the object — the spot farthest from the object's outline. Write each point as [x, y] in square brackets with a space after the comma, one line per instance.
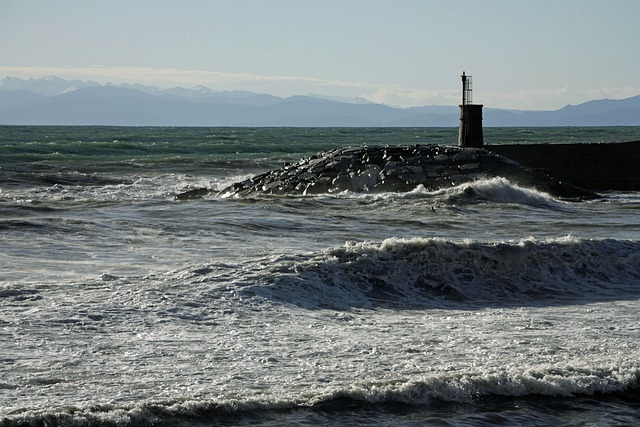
[396, 169]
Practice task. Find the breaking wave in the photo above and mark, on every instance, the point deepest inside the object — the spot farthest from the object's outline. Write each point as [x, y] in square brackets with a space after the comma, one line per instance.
[423, 272]
[421, 392]
[491, 190]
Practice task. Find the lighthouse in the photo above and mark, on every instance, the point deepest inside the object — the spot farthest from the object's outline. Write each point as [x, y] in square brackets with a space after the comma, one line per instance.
[470, 132]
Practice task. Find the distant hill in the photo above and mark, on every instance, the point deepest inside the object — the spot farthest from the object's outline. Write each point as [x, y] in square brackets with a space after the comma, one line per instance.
[55, 101]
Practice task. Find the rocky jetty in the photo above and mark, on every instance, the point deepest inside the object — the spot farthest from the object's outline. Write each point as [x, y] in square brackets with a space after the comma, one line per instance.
[395, 169]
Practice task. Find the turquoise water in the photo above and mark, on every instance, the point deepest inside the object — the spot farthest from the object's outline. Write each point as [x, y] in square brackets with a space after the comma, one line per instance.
[122, 305]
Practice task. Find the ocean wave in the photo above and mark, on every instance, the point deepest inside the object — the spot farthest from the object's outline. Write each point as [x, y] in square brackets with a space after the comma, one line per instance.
[44, 176]
[498, 190]
[423, 272]
[420, 392]
[468, 387]
[488, 190]
[135, 188]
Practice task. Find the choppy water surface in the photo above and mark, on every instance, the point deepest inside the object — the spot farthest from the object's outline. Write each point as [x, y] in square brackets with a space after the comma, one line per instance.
[124, 306]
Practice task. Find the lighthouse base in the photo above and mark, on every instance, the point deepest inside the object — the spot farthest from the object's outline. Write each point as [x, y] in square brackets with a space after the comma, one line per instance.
[470, 133]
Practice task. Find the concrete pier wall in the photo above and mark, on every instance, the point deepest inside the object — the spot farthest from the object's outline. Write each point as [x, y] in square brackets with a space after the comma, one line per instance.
[600, 166]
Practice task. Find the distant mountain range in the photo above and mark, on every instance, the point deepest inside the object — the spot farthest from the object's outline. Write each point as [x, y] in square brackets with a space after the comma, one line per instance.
[55, 101]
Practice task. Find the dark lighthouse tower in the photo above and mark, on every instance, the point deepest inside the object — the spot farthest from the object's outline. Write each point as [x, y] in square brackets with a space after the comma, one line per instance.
[470, 133]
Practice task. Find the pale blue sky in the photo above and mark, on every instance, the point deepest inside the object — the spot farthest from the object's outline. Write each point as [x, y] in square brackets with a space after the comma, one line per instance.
[524, 54]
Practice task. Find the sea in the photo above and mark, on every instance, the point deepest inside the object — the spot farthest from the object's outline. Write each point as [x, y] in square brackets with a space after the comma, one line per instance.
[123, 305]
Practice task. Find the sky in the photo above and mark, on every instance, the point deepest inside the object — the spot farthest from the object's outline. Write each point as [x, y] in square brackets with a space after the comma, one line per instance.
[522, 54]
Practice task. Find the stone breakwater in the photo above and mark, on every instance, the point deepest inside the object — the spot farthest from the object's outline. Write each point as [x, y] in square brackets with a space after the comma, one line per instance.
[394, 169]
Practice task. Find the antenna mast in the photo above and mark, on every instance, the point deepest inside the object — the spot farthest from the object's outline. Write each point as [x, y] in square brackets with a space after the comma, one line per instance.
[470, 133]
[467, 89]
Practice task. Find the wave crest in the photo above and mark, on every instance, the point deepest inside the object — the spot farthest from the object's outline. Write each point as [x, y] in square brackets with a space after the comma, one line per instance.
[467, 388]
[497, 190]
[423, 272]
